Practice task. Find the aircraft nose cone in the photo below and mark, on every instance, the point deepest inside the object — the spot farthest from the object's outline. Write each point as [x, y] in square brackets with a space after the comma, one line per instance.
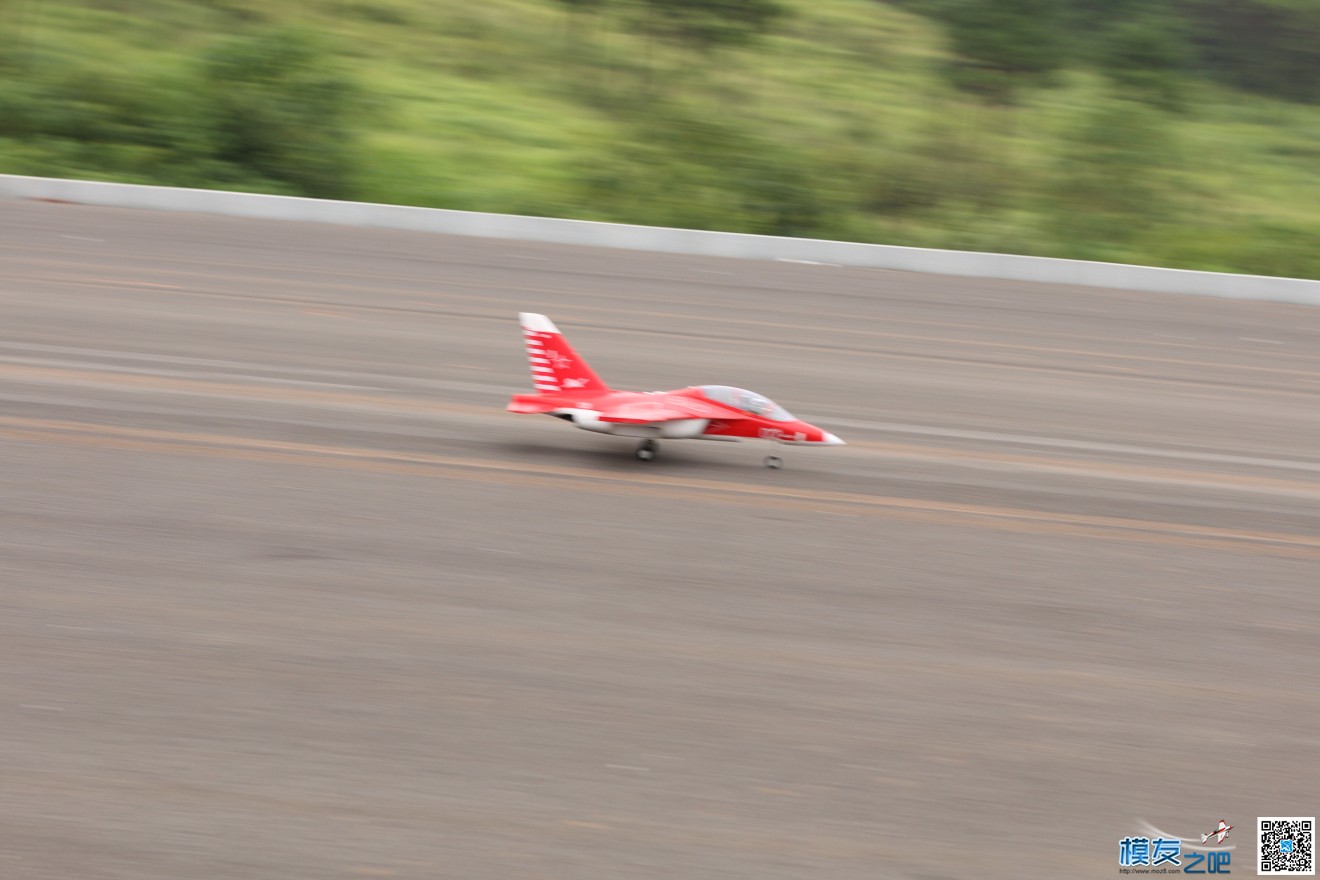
[830, 440]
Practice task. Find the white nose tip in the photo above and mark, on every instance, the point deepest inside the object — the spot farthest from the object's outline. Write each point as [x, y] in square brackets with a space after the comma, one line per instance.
[830, 440]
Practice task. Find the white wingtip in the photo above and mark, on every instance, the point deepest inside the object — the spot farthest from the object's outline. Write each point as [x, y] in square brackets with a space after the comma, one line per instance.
[539, 323]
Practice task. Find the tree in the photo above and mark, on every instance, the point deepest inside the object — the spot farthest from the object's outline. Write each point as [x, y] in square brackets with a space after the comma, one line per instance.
[1004, 44]
[712, 24]
[1268, 46]
[275, 105]
[1145, 56]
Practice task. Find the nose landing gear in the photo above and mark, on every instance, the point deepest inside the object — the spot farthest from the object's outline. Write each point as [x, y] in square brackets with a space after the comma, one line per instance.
[773, 462]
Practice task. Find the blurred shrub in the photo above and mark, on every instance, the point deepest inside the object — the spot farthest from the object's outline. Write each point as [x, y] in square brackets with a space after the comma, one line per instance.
[274, 104]
[1254, 247]
[1004, 44]
[267, 112]
[1269, 46]
[710, 24]
[1111, 184]
[681, 168]
[75, 114]
[1146, 56]
[379, 12]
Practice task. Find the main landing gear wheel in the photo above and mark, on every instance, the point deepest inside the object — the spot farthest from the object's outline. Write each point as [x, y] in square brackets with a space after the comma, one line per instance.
[646, 450]
[773, 462]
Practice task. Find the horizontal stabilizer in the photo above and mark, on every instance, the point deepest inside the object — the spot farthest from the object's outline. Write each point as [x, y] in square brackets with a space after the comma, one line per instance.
[530, 403]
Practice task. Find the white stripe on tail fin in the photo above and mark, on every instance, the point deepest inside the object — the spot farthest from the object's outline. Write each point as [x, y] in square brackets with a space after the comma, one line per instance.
[556, 367]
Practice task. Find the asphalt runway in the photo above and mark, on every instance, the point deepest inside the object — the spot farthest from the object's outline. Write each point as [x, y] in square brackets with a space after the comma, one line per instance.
[286, 594]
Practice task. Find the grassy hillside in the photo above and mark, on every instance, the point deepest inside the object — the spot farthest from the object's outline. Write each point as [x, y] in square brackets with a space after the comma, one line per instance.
[839, 122]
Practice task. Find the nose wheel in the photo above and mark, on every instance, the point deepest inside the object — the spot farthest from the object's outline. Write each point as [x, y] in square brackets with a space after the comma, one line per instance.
[646, 450]
[773, 462]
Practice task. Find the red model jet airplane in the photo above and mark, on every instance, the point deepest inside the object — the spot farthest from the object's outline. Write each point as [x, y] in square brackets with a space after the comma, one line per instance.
[568, 389]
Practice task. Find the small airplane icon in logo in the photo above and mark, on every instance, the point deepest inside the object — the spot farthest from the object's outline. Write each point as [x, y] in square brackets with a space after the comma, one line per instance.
[1219, 833]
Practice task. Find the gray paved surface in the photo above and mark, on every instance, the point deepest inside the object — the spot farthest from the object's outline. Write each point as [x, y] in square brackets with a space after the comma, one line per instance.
[287, 595]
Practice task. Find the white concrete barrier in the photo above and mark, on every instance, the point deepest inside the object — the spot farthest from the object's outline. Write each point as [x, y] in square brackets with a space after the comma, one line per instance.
[664, 240]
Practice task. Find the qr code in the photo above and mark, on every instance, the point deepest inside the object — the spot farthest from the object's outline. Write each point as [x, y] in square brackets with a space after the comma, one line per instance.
[1286, 846]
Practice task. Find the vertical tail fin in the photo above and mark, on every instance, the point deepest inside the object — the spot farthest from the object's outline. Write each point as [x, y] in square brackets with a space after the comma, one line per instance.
[555, 365]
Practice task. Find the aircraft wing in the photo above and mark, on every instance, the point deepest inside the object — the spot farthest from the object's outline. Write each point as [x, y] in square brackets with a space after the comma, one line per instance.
[662, 409]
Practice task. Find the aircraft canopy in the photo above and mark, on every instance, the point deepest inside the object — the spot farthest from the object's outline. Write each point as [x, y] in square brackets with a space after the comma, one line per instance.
[747, 401]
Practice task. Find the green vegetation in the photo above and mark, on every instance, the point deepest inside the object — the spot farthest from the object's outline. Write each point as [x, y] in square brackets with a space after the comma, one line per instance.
[1178, 134]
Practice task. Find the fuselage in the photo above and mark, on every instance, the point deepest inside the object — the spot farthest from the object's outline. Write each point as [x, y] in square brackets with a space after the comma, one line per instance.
[705, 412]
